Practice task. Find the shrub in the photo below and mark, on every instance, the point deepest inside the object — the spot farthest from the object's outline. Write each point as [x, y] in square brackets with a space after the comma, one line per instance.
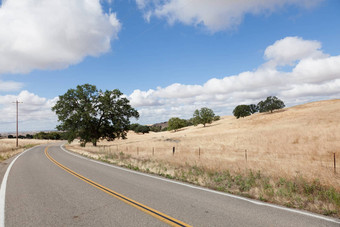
[216, 118]
[176, 123]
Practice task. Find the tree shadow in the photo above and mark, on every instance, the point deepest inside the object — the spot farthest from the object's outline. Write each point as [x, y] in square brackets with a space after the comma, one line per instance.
[275, 111]
[211, 125]
[178, 130]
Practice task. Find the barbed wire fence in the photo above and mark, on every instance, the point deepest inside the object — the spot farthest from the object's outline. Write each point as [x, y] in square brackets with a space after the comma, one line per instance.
[202, 155]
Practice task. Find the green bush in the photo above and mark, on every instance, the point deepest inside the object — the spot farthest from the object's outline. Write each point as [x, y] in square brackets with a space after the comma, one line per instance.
[176, 123]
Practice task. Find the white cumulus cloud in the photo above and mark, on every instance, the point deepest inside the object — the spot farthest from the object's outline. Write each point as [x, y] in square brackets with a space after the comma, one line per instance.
[34, 112]
[10, 85]
[314, 75]
[48, 34]
[281, 52]
[215, 15]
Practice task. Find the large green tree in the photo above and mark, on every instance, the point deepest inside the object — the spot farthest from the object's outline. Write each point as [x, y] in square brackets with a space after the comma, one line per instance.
[244, 110]
[241, 111]
[91, 114]
[203, 116]
[176, 123]
[270, 104]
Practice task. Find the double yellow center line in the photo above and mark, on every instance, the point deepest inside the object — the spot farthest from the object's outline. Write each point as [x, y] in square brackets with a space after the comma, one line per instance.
[163, 217]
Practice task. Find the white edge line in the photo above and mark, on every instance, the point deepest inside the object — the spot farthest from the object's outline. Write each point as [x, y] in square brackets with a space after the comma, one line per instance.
[3, 188]
[207, 190]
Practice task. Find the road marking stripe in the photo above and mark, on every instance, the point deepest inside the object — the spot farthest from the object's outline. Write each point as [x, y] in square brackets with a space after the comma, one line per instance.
[161, 216]
[259, 203]
[3, 189]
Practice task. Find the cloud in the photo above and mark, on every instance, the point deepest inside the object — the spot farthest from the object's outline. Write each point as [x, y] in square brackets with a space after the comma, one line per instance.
[38, 34]
[142, 3]
[330, 88]
[34, 112]
[143, 98]
[317, 70]
[10, 86]
[280, 53]
[215, 15]
[314, 76]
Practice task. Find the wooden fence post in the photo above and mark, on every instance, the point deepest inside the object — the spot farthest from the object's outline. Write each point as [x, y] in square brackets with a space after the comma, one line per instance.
[199, 152]
[153, 151]
[173, 151]
[246, 155]
[334, 163]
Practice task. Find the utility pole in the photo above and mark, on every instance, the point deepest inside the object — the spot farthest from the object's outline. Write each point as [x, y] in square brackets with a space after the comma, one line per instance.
[17, 103]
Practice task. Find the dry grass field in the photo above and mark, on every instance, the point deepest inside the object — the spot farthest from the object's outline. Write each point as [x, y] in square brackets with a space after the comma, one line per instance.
[8, 146]
[300, 140]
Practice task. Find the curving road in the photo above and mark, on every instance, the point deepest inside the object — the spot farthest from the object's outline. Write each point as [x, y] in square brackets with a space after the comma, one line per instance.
[48, 186]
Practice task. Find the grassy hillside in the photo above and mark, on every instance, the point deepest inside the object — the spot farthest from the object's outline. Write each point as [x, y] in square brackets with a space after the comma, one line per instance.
[285, 157]
[297, 140]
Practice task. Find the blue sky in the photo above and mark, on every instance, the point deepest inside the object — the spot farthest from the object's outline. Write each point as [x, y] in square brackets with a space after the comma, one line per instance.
[164, 55]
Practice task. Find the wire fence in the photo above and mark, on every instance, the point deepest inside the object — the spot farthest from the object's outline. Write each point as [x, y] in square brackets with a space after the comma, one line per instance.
[212, 156]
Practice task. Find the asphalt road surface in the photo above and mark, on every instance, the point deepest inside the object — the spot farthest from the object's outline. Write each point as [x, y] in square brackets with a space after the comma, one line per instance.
[48, 186]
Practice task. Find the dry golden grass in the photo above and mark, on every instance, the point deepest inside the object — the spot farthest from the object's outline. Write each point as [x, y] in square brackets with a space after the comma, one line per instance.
[8, 146]
[300, 140]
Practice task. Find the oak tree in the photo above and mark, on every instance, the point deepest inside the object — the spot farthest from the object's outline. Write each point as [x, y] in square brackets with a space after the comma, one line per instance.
[91, 114]
[203, 116]
[270, 104]
[244, 110]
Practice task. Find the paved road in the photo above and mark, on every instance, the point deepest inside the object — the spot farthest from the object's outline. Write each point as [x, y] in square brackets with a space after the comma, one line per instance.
[42, 192]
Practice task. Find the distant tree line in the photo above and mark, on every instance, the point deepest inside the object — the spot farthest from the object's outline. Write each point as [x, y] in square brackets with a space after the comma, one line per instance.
[201, 116]
[269, 105]
[28, 136]
[42, 136]
[138, 128]
[51, 135]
